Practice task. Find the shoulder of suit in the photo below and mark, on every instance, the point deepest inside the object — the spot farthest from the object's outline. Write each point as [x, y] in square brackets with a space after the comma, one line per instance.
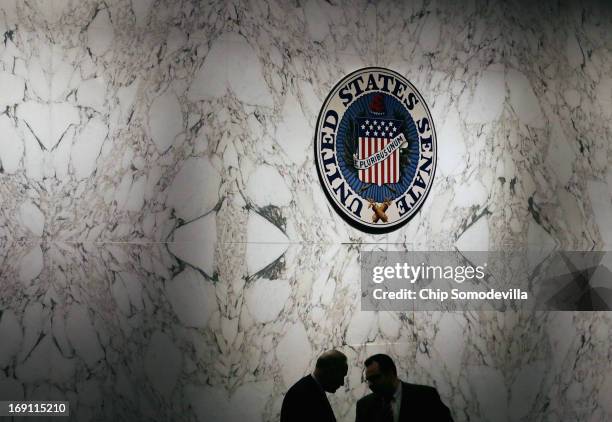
[367, 398]
[419, 388]
[304, 384]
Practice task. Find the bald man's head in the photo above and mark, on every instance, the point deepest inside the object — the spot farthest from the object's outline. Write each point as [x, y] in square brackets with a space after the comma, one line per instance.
[331, 369]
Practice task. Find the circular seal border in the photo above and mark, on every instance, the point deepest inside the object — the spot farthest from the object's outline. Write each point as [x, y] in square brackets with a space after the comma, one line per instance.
[361, 225]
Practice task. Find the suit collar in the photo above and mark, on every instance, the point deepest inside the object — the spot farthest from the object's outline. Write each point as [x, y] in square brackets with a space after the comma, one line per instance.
[318, 383]
[324, 397]
[404, 398]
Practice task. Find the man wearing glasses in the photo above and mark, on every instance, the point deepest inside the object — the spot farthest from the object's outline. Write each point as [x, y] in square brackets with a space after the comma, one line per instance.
[393, 400]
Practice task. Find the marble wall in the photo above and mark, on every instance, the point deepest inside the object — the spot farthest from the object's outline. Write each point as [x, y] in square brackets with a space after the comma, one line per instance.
[167, 253]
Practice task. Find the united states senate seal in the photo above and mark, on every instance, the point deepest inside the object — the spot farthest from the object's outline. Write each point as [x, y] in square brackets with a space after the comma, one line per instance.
[375, 149]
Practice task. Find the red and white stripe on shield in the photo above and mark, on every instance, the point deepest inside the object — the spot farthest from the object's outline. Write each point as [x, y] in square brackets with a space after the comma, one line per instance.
[387, 171]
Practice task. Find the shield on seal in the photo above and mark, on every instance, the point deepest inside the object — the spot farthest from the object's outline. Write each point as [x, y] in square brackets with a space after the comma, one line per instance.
[374, 136]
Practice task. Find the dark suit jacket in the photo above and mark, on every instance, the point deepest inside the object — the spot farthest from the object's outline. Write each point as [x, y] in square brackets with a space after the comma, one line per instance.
[419, 403]
[306, 402]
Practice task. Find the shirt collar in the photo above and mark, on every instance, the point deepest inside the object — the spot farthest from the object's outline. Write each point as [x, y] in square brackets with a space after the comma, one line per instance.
[318, 383]
[397, 395]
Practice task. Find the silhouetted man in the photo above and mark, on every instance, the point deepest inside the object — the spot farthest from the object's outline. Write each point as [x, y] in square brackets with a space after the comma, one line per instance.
[393, 400]
[306, 400]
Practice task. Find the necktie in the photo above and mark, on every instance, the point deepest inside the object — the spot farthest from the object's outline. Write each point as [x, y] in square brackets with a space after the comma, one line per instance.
[387, 411]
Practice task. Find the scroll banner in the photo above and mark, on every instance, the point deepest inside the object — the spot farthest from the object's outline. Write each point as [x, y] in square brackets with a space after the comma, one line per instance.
[379, 156]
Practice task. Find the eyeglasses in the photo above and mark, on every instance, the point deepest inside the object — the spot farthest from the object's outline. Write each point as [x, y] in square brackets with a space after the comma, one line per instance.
[372, 379]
